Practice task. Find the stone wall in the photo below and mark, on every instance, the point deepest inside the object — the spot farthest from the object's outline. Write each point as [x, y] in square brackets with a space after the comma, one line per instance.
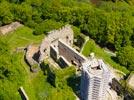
[23, 94]
[59, 43]
[70, 54]
[31, 52]
[53, 53]
[65, 34]
[9, 28]
[130, 80]
[63, 62]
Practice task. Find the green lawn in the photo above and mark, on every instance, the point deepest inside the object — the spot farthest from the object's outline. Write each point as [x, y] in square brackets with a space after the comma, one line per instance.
[22, 37]
[91, 46]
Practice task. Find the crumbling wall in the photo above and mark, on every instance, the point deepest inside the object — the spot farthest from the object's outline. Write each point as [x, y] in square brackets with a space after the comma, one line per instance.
[70, 54]
[9, 28]
[63, 62]
[65, 34]
[53, 53]
[31, 55]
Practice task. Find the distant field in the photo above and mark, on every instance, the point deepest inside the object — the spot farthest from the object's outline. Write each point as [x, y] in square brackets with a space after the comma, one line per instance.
[90, 46]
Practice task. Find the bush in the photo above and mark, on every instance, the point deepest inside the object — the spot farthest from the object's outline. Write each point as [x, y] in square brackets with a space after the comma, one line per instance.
[76, 31]
[46, 26]
[125, 57]
[80, 39]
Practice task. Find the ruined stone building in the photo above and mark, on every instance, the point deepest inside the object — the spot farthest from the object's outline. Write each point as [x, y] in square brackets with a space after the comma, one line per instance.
[58, 45]
[65, 34]
[95, 74]
[94, 79]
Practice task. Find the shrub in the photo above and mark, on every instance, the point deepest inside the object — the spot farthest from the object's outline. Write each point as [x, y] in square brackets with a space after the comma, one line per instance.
[125, 57]
[46, 26]
[80, 39]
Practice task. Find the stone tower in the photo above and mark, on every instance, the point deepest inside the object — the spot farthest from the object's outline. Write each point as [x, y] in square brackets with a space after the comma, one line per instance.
[94, 80]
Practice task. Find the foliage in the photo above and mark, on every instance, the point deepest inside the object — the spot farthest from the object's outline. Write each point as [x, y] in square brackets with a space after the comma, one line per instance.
[5, 15]
[47, 26]
[127, 90]
[80, 39]
[110, 24]
[126, 58]
[76, 31]
[11, 76]
[58, 77]
[13, 72]
[34, 68]
[58, 80]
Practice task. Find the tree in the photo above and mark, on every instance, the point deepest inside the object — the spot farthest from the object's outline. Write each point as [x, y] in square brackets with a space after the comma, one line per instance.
[5, 13]
[125, 57]
[22, 12]
[47, 26]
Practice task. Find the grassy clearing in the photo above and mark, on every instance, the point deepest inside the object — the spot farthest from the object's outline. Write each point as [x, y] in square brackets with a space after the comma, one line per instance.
[22, 37]
[90, 46]
[38, 88]
[9, 85]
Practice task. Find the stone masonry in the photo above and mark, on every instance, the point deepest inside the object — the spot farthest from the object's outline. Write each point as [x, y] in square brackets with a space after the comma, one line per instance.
[70, 54]
[65, 33]
[9, 28]
[58, 44]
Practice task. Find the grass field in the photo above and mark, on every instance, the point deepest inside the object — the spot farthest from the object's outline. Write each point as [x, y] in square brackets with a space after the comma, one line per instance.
[91, 46]
[22, 37]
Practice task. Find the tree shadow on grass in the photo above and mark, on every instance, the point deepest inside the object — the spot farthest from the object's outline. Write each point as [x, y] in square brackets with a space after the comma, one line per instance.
[51, 77]
[74, 83]
[114, 59]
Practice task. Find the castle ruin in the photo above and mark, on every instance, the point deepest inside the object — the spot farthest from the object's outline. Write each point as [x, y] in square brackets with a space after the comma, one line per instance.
[58, 45]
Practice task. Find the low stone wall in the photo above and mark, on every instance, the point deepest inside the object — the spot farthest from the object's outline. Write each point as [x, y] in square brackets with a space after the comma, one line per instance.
[9, 28]
[32, 56]
[20, 49]
[130, 80]
[23, 94]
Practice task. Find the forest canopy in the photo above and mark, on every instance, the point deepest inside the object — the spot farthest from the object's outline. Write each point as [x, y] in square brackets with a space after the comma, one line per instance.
[110, 23]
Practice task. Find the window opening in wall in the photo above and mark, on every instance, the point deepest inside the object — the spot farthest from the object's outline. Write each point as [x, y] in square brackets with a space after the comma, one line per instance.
[45, 50]
[67, 37]
[74, 62]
